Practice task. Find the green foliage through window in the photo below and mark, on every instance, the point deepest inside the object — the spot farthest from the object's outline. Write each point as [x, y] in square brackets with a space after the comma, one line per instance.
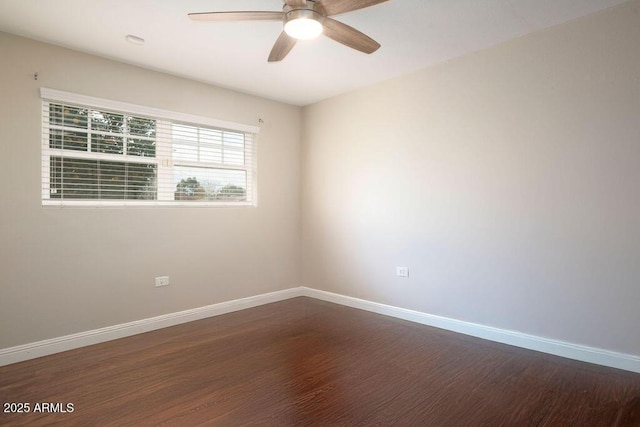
[96, 180]
[96, 131]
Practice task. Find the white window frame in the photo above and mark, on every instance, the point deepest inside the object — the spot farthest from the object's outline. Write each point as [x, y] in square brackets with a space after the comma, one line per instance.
[163, 160]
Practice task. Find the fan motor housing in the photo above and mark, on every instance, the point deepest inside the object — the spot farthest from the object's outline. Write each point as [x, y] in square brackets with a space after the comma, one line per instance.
[308, 11]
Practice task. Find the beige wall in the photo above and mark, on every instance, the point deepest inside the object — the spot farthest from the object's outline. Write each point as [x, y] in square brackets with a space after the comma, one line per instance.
[508, 181]
[69, 270]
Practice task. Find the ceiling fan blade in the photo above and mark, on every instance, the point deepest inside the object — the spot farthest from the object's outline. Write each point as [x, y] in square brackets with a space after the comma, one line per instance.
[349, 36]
[282, 47]
[295, 3]
[236, 16]
[336, 7]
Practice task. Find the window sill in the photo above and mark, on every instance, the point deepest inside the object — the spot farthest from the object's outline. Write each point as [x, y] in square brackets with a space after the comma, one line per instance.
[142, 204]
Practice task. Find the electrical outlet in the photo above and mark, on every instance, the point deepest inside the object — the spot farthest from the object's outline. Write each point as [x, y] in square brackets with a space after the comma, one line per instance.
[402, 271]
[162, 281]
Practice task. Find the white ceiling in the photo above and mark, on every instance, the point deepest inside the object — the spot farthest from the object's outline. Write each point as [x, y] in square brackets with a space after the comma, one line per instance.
[413, 33]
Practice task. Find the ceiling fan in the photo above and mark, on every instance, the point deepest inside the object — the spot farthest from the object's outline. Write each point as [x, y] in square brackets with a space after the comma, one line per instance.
[303, 20]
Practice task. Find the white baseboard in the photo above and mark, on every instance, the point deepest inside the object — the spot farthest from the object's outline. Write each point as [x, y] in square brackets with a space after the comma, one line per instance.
[559, 348]
[82, 339]
[518, 339]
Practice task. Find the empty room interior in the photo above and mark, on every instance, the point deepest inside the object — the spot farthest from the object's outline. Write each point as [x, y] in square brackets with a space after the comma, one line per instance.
[427, 215]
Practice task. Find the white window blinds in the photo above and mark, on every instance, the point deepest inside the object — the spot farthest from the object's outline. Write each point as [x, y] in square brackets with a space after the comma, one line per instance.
[97, 152]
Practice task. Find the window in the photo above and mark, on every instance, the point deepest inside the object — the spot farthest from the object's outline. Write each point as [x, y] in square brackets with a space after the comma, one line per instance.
[194, 147]
[98, 152]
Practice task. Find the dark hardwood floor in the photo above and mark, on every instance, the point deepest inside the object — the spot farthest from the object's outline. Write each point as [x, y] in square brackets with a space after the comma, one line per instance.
[308, 362]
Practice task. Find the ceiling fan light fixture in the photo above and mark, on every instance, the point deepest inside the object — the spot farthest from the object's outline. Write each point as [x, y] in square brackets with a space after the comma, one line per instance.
[303, 24]
[304, 20]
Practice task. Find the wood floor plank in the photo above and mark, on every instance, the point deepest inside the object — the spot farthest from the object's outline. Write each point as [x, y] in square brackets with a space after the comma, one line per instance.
[309, 362]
